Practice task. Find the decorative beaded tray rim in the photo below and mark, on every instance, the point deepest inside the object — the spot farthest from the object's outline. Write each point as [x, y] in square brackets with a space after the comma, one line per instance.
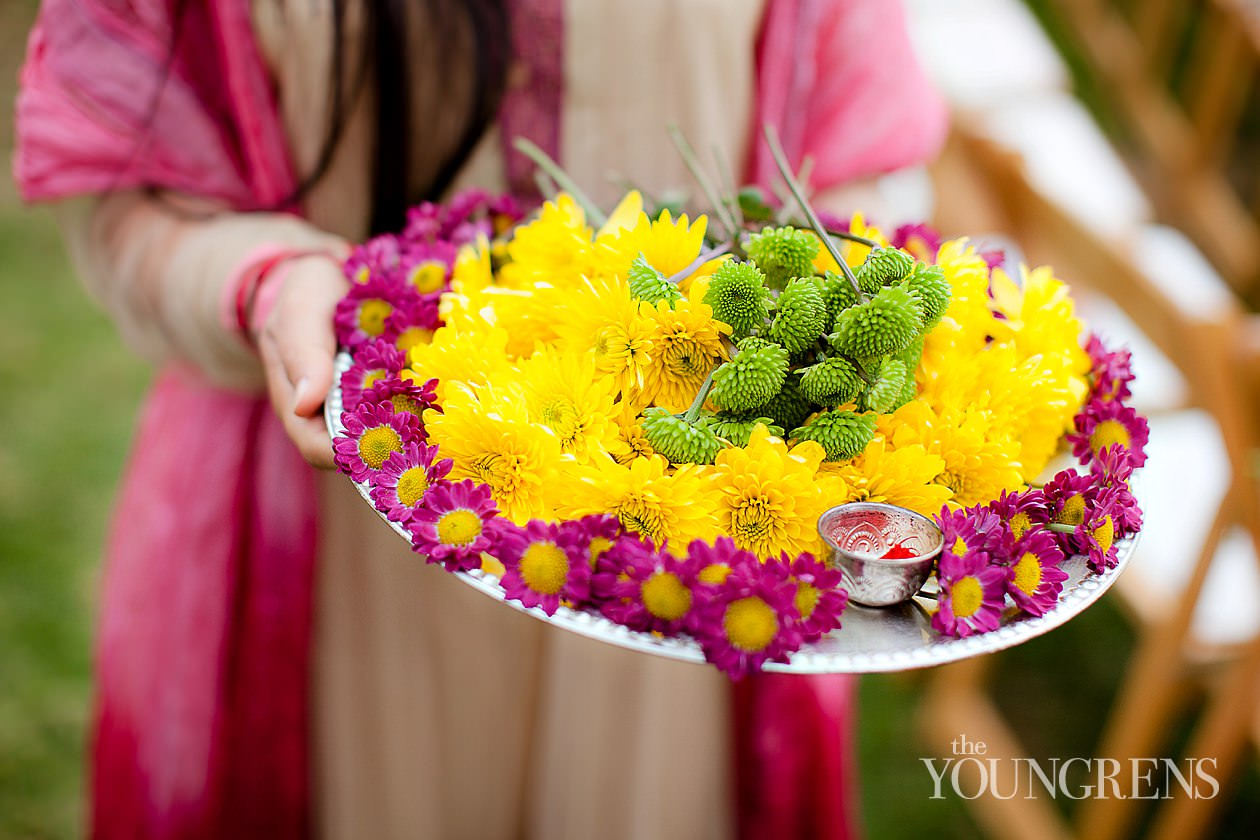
[870, 640]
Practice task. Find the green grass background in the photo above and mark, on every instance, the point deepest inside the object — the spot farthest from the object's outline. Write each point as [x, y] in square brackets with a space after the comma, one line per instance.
[68, 399]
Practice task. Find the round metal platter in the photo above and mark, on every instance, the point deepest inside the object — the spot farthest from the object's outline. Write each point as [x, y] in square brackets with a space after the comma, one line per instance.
[871, 640]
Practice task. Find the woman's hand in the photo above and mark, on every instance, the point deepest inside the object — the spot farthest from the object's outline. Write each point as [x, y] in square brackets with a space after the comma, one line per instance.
[296, 343]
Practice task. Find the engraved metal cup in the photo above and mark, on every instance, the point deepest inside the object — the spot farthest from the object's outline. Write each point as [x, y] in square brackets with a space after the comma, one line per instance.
[859, 534]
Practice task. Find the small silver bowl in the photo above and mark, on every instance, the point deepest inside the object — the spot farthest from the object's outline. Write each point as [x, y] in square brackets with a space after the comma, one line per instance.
[859, 534]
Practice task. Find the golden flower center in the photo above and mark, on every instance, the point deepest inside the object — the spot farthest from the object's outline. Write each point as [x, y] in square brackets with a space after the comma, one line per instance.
[545, 568]
[665, 596]
[752, 522]
[428, 277]
[750, 624]
[597, 548]
[458, 527]
[1107, 433]
[561, 416]
[714, 573]
[642, 517]
[404, 403]
[413, 337]
[966, 597]
[959, 547]
[684, 358]
[372, 315]
[412, 485]
[1027, 573]
[1020, 523]
[498, 471]
[1073, 510]
[377, 444]
[373, 376]
[806, 600]
[1105, 534]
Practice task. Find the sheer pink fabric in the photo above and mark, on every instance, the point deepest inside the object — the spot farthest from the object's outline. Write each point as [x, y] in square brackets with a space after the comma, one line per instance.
[203, 647]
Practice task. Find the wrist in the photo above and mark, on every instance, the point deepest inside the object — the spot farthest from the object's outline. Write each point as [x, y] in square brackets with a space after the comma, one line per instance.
[253, 286]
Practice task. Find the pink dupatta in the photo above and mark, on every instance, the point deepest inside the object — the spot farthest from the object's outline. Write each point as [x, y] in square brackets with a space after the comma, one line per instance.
[203, 647]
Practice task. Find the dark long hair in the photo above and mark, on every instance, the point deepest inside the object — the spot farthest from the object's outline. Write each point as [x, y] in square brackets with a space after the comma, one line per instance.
[470, 37]
[480, 27]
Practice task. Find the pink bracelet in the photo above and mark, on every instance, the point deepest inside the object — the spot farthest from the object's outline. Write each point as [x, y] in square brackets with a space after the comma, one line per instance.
[250, 293]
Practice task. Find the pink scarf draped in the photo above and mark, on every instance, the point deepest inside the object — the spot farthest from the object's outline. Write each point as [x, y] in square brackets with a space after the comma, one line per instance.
[203, 649]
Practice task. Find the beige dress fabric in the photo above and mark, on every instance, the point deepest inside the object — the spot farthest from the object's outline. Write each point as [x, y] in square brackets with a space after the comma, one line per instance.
[439, 712]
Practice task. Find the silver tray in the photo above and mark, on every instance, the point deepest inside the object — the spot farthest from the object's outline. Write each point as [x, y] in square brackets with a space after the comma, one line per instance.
[871, 640]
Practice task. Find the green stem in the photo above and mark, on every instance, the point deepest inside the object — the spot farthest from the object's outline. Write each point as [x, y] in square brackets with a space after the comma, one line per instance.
[704, 257]
[727, 176]
[1061, 528]
[692, 161]
[853, 237]
[544, 162]
[780, 160]
[693, 413]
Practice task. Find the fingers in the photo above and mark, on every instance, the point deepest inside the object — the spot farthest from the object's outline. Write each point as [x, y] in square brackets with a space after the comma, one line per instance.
[297, 346]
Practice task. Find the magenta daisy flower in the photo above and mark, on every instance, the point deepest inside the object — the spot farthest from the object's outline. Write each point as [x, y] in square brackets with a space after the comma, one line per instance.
[1111, 469]
[412, 323]
[1104, 423]
[972, 591]
[1096, 535]
[544, 565]
[972, 529]
[609, 570]
[918, 239]
[597, 534]
[748, 619]
[406, 478]
[654, 591]
[372, 434]
[456, 522]
[361, 314]
[1022, 511]
[1110, 372]
[376, 258]
[1034, 578]
[719, 559]
[374, 362]
[426, 267]
[407, 396]
[819, 597]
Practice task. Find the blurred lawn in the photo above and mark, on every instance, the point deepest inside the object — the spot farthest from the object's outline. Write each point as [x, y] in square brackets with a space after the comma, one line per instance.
[70, 396]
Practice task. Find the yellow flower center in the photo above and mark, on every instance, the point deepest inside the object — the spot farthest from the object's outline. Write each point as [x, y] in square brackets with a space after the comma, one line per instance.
[714, 573]
[1105, 534]
[807, 596]
[959, 547]
[665, 596]
[598, 546]
[561, 416]
[372, 377]
[403, 403]
[372, 315]
[362, 275]
[545, 568]
[498, 471]
[750, 624]
[1073, 511]
[458, 527]
[377, 444]
[413, 337]
[966, 597]
[753, 523]
[1109, 432]
[428, 277]
[684, 358]
[412, 485]
[1020, 523]
[643, 517]
[1028, 573]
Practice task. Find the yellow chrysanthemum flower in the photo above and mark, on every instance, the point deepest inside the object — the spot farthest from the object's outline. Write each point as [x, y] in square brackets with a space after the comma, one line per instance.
[1042, 315]
[646, 497]
[563, 394]
[687, 343]
[667, 244]
[489, 437]
[556, 248]
[979, 457]
[631, 441]
[770, 501]
[454, 356]
[600, 318]
[905, 476]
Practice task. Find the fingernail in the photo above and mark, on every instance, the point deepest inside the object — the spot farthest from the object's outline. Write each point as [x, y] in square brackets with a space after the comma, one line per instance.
[298, 391]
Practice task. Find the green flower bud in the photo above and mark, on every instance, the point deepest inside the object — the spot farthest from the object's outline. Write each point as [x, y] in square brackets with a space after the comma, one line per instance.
[751, 377]
[801, 316]
[831, 382]
[842, 434]
[783, 253]
[739, 297]
[679, 441]
[886, 323]
[646, 283]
